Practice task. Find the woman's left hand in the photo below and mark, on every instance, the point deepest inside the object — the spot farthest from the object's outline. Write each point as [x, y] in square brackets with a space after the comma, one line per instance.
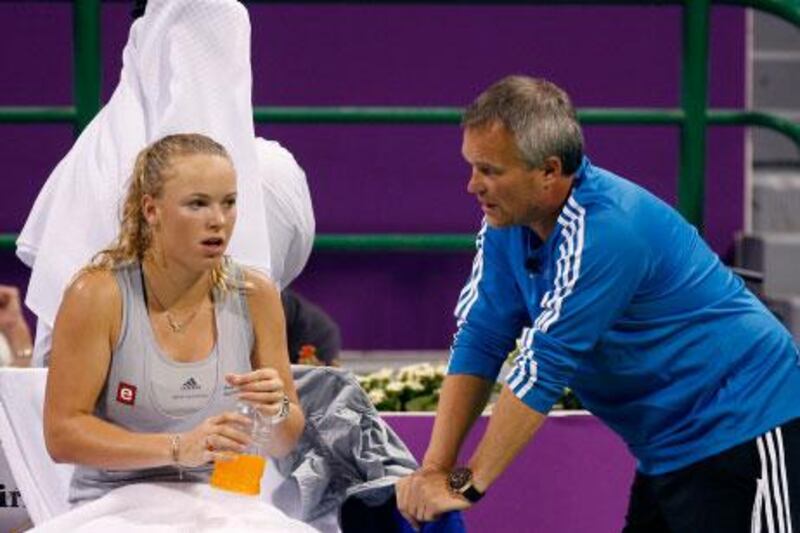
[263, 388]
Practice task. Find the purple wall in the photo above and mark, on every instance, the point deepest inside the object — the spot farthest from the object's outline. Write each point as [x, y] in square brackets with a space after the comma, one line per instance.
[574, 477]
[404, 178]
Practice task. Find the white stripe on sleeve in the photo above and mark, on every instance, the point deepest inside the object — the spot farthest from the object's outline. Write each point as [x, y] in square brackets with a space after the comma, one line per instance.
[469, 294]
[568, 265]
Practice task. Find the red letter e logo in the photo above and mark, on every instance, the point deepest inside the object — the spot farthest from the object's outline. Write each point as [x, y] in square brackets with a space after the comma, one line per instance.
[126, 393]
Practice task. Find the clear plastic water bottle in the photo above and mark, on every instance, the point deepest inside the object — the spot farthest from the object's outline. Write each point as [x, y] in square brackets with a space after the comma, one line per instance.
[243, 472]
[261, 431]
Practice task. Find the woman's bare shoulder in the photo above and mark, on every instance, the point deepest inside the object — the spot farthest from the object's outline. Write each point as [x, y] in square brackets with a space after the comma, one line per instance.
[258, 282]
[263, 298]
[95, 287]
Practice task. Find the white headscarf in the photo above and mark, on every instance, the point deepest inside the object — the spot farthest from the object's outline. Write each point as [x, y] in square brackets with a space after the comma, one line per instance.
[290, 217]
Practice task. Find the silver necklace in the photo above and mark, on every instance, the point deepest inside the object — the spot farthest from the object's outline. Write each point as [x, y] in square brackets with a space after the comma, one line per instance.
[177, 326]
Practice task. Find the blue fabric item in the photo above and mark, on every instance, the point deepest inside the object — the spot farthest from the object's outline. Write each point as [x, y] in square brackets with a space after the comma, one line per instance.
[360, 515]
[452, 522]
[627, 305]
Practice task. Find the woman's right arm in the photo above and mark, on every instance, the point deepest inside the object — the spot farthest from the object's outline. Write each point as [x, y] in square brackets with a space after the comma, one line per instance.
[86, 329]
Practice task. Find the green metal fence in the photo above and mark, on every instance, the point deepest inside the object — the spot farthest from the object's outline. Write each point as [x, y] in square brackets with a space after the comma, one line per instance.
[693, 117]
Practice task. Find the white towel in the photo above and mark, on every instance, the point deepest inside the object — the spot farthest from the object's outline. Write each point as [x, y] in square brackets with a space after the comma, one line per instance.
[173, 507]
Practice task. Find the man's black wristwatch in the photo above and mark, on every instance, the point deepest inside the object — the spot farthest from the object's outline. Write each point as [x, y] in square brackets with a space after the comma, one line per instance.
[460, 482]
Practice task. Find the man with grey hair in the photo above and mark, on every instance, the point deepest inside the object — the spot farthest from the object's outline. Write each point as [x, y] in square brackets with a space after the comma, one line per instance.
[609, 291]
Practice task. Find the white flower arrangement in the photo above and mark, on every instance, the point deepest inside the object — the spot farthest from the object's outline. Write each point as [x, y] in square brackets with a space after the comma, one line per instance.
[410, 388]
[416, 387]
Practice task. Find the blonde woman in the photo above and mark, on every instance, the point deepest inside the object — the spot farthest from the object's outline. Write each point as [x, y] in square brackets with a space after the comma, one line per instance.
[158, 338]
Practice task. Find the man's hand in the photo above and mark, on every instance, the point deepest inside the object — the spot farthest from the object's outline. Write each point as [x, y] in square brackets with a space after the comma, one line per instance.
[425, 495]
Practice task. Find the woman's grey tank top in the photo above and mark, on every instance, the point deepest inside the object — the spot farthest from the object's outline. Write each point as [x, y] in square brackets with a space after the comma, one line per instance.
[148, 392]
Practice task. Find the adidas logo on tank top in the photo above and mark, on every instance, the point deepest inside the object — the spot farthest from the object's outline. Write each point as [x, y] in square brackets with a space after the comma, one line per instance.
[191, 384]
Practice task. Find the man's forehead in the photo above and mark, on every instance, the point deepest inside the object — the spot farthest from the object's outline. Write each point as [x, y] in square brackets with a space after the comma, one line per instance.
[488, 142]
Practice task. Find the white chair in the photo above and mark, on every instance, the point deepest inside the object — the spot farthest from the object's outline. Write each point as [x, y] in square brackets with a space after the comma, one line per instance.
[44, 484]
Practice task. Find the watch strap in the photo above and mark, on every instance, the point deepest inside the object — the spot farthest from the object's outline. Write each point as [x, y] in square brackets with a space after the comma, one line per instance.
[471, 493]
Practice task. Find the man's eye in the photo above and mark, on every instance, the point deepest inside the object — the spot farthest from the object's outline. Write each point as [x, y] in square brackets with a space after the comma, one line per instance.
[197, 204]
[230, 202]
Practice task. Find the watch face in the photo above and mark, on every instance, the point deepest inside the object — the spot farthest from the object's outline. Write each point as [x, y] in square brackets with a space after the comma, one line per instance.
[459, 477]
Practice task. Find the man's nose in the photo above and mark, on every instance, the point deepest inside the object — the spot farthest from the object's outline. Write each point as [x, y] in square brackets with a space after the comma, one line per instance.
[475, 184]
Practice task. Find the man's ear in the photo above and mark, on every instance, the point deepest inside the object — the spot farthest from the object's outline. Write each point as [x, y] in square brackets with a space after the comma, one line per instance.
[552, 167]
